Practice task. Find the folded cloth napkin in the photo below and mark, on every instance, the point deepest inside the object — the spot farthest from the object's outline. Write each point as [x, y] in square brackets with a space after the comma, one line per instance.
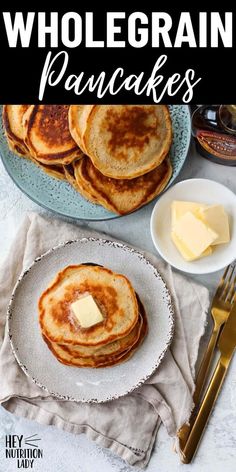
[127, 426]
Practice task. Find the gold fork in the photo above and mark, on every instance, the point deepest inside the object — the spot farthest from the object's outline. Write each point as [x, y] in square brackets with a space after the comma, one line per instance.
[220, 309]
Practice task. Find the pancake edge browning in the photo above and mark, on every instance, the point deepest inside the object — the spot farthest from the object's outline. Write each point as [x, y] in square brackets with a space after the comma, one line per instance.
[65, 157]
[78, 120]
[111, 361]
[90, 191]
[18, 148]
[96, 352]
[70, 176]
[55, 171]
[16, 144]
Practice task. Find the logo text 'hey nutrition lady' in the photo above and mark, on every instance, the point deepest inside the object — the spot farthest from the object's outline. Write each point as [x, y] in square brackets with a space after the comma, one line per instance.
[24, 451]
[118, 31]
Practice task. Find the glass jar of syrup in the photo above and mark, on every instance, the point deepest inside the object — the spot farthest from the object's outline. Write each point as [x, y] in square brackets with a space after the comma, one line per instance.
[214, 130]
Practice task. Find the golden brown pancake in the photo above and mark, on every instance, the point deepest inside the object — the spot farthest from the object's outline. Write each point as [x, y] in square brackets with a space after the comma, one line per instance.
[17, 148]
[78, 120]
[126, 141]
[12, 120]
[56, 171]
[47, 134]
[70, 177]
[110, 349]
[113, 294]
[97, 362]
[121, 196]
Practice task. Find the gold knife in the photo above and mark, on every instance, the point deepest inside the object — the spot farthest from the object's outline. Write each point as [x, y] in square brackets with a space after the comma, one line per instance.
[226, 345]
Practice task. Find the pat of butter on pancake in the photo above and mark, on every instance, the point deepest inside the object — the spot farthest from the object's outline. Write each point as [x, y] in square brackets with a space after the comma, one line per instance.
[194, 234]
[87, 312]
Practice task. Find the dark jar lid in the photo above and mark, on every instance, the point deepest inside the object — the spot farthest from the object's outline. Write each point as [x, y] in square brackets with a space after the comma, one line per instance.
[214, 130]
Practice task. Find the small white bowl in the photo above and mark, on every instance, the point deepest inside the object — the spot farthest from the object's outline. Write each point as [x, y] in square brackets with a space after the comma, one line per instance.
[201, 191]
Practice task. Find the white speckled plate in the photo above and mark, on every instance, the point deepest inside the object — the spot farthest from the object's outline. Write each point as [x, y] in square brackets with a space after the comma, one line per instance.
[86, 384]
[60, 197]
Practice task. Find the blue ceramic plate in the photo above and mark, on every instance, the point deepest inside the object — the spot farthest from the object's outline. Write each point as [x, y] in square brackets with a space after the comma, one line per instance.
[61, 198]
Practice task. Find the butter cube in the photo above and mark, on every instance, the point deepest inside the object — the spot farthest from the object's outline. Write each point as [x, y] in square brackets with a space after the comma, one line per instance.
[185, 252]
[179, 208]
[87, 312]
[194, 234]
[217, 219]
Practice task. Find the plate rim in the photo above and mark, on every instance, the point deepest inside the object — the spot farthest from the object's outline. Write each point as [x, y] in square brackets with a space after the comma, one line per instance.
[112, 216]
[171, 318]
[176, 266]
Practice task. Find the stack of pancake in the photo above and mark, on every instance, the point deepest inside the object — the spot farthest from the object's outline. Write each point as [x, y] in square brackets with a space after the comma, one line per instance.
[128, 146]
[116, 156]
[107, 343]
[41, 133]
